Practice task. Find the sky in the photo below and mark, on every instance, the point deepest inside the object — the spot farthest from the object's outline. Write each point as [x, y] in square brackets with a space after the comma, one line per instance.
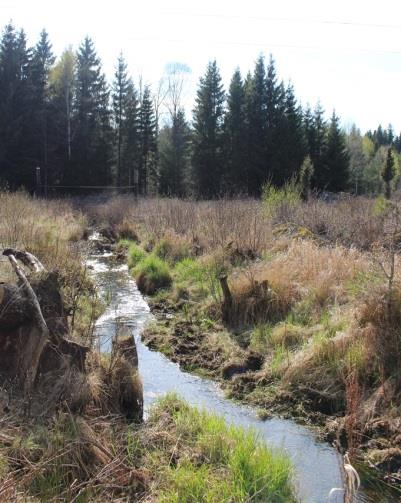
[344, 53]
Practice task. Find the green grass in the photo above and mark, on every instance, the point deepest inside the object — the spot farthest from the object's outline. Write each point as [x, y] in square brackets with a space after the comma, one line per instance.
[152, 274]
[189, 269]
[135, 255]
[230, 464]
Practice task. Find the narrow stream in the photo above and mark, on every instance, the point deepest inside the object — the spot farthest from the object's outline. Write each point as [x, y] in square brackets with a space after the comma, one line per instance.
[316, 464]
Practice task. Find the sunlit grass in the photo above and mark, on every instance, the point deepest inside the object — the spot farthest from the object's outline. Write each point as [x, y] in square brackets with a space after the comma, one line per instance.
[230, 464]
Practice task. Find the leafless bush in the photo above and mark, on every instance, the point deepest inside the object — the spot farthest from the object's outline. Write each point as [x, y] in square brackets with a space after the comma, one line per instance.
[350, 221]
[243, 222]
[240, 223]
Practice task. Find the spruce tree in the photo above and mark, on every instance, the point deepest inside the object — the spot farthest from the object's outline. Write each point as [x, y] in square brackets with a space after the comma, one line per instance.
[275, 118]
[119, 100]
[255, 122]
[173, 151]
[16, 158]
[295, 147]
[335, 172]
[207, 139]
[388, 173]
[92, 144]
[316, 135]
[41, 120]
[147, 133]
[235, 155]
[9, 83]
[132, 149]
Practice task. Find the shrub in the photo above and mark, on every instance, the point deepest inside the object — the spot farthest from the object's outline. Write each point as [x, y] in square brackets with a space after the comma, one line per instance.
[281, 202]
[152, 274]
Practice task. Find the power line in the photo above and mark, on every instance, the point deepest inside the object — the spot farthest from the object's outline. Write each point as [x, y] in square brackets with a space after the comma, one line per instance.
[103, 187]
[286, 20]
[268, 45]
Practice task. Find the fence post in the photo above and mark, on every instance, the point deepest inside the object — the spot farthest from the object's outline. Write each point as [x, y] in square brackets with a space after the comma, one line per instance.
[38, 191]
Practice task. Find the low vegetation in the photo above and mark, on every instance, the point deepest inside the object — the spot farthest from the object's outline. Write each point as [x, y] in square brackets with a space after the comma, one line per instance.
[210, 461]
[291, 305]
[78, 436]
[179, 455]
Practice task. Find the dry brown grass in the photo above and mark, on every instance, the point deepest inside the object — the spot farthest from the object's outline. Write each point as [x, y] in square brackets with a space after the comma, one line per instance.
[302, 270]
[68, 459]
[49, 230]
[207, 225]
[350, 221]
[382, 315]
[52, 231]
[173, 247]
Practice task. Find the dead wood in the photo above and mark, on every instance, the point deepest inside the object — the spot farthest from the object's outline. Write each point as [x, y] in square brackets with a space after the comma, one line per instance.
[227, 304]
[34, 325]
[33, 263]
[39, 334]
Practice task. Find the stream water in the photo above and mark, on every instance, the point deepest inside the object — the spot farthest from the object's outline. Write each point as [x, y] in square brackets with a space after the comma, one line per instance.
[316, 464]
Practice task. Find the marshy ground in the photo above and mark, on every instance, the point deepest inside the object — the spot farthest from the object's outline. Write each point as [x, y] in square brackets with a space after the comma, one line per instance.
[77, 434]
[292, 307]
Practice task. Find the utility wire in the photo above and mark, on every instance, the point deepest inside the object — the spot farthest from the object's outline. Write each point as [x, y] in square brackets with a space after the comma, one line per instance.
[268, 45]
[285, 20]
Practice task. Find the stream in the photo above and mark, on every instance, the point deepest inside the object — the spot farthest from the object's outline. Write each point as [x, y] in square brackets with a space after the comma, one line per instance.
[316, 464]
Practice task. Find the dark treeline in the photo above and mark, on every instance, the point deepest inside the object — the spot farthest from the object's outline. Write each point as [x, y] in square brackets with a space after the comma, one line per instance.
[64, 117]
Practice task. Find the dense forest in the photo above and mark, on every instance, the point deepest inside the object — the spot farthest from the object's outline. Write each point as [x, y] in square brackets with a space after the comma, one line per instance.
[63, 116]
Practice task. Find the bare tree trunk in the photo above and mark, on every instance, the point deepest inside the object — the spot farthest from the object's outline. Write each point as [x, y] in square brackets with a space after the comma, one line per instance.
[67, 102]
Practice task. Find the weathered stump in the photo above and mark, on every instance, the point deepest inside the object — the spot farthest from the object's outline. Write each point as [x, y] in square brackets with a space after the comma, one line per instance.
[34, 325]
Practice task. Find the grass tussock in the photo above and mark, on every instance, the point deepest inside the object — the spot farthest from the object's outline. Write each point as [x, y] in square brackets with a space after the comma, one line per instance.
[152, 274]
[212, 461]
[380, 313]
[135, 253]
[173, 248]
[180, 455]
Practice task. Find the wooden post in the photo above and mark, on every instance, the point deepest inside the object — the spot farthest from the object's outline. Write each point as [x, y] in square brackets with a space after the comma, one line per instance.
[226, 307]
[38, 191]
